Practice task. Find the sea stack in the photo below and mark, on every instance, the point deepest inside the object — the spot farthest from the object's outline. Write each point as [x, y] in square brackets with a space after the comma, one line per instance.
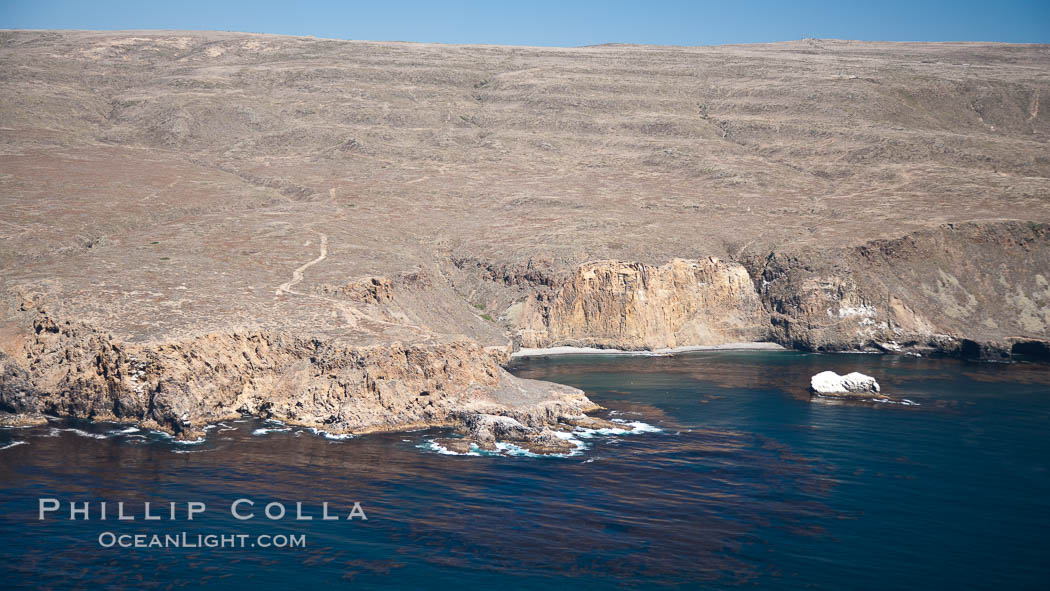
[851, 384]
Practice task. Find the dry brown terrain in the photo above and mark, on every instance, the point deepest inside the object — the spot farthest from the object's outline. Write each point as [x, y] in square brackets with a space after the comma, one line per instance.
[158, 189]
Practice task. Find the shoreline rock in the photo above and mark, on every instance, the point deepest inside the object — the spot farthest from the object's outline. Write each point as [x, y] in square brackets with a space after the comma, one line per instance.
[74, 370]
[22, 419]
[853, 384]
[486, 431]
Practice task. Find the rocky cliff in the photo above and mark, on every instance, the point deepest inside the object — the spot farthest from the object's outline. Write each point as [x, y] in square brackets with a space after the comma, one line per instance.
[975, 290]
[613, 304]
[66, 368]
[972, 289]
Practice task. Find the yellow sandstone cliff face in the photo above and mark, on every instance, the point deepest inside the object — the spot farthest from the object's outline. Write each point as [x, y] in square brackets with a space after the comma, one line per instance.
[614, 304]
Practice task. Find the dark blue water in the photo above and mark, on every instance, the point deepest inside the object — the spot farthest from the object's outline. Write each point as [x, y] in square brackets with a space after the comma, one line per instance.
[748, 483]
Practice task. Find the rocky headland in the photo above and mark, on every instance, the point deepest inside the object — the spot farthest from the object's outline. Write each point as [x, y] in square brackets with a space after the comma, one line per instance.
[355, 236]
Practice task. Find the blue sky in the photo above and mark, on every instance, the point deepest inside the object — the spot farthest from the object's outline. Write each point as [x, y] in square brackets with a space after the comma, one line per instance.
[560, 23]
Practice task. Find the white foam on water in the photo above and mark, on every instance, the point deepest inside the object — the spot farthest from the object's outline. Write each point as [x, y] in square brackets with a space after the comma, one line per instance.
[902, 402]
[327, 435]
[573, 438]
[431, 445]
[14, 443]
[509, 449]
[592, 433]
[129, 432]
[280, 428]
[265, 430]
[502, 449]
[83, 433]
[197, 441]
[639, 426]
[636, 427]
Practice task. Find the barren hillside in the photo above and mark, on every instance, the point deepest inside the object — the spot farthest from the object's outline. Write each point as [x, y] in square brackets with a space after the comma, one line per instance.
[164, 190]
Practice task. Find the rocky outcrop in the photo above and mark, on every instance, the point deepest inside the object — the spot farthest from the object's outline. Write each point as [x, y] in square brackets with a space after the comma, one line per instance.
[971, 290]
[493, 433]
[367, 290]
[974, 290]
[853, 384]
[70, 369]
[487, 430]
[613, 304]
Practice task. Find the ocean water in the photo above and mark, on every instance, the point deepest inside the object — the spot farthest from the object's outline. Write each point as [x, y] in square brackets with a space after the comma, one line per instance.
[736, 479]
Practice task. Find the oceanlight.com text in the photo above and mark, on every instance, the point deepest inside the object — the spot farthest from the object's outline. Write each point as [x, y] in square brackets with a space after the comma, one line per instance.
[108, 539]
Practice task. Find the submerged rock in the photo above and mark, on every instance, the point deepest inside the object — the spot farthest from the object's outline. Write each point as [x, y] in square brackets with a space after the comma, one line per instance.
[588, 422]
[851, 384]
[458, 446]
[547, 442]
[22, 420]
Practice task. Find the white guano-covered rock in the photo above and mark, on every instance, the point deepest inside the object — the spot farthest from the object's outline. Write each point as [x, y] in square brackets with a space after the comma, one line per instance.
[829, 382]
